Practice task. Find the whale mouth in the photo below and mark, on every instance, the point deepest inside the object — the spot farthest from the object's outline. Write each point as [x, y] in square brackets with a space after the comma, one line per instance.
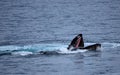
[48, 49]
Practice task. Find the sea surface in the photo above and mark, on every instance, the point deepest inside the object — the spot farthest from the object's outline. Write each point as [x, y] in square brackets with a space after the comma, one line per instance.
[29, 27]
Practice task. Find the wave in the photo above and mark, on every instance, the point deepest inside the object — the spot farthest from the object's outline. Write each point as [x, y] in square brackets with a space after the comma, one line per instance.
[46, 49]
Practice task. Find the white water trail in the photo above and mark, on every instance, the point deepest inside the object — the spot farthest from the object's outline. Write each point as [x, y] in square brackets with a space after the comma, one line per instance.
[60, 48]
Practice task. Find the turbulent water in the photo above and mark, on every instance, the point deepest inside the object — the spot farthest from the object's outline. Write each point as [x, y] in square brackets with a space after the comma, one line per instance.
[28, 27]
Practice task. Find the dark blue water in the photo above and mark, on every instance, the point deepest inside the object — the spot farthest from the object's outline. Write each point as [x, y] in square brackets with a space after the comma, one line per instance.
[30, 26]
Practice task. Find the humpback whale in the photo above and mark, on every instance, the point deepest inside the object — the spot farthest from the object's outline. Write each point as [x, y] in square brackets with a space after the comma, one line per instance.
[78, 43]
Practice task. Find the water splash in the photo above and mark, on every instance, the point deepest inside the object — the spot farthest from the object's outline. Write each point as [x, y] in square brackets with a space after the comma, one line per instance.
[37, 48]
[22, 53]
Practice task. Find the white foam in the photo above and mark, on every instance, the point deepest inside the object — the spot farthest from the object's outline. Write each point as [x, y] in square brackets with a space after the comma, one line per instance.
[116, 45]
[110, 45]
[11, 47]
[62, 48]
[65, 51]
[22, 53]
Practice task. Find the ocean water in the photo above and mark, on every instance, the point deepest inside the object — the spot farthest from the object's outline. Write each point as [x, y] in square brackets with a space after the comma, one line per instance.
[28, 27]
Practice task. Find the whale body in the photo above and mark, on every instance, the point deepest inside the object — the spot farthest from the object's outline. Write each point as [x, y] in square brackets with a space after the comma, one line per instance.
[93, 47]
